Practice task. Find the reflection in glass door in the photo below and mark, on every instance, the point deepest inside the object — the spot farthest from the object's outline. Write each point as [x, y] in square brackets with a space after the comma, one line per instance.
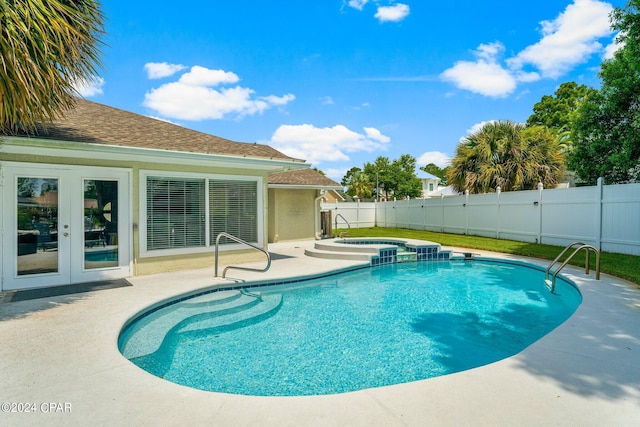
[37, 214]
[100, 224]
[63, 224]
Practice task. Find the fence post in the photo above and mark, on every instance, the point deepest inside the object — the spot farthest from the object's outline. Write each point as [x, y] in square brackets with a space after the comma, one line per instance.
[600, 184]
[442, 213]
[540, 188]
[466, 212]
[424, 213]
[498, 191]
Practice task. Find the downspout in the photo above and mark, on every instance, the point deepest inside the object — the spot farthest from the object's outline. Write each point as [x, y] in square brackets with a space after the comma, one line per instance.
[316, 209]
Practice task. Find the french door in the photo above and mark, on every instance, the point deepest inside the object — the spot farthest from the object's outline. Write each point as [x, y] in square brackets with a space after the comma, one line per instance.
[64, 225]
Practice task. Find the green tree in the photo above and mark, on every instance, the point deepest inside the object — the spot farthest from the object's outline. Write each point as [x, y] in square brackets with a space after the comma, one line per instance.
[46, 47]
[405, 182]
[347, 177]
[379, 173]
[556, 111]
[357, 183]
[397, 179]
[507, 155]
[436, 171]
[606, 131]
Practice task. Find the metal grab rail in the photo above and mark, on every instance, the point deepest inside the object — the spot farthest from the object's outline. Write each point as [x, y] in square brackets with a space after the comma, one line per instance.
[552, 283]
[546, 275]
[235, 239]
[345, 220]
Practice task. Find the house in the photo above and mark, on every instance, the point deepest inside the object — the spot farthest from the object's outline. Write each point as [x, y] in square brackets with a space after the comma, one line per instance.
[104, 193]
[335, 195]
[294, 198]
[429, 184]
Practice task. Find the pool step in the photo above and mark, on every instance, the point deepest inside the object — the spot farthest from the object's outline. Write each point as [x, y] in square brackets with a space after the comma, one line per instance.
[213, 298]
[407, 256]
[378, 251]
[202, 327]
[149, 336]
[344, 255]
[204, 324]
[333, 247]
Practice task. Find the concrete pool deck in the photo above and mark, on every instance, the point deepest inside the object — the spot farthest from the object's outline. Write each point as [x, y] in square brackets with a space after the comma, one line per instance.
[60, 361]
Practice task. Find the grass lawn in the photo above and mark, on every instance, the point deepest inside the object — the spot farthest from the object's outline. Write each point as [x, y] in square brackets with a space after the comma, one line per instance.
[620, 265]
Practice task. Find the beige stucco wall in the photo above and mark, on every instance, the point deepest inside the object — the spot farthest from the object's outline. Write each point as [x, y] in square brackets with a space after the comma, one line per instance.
[291, 214]
[155, 265]
[150, 265]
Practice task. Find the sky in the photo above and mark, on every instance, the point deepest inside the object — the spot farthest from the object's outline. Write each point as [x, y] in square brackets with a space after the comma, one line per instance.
[340, 82]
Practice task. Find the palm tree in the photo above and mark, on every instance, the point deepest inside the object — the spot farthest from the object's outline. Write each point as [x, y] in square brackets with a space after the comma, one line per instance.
[507, 155]
[46, 47]
[359, 185]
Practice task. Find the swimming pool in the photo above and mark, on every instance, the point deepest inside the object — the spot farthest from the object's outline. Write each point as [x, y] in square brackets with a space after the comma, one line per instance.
[366, 328]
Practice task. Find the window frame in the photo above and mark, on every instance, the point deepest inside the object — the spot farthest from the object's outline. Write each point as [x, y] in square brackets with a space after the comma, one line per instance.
[209, 243]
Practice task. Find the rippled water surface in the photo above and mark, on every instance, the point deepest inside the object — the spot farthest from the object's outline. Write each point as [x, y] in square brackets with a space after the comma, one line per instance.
[367, 328]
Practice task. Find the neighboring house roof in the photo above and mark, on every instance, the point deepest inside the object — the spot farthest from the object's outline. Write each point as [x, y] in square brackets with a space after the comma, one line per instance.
[445, 191]
[302, 178]
[90, 122]
[426, 175]
[334, 196]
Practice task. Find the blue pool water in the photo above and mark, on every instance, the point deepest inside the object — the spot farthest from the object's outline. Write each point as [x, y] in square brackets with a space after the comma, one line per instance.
[366, 328]
[102, 255]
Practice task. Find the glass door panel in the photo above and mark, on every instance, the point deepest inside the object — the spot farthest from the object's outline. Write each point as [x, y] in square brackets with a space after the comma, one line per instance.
[63, 224]
[37, 225]
[100, 224]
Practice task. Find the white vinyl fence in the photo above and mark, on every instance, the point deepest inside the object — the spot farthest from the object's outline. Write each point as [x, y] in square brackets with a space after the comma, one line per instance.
[605, 216]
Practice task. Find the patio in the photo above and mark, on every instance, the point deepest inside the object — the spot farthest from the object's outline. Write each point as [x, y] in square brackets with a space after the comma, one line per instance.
[59, 355]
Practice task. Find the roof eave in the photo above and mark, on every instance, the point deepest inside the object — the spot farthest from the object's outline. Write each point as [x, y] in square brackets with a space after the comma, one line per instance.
[305, 187]
[69, 149]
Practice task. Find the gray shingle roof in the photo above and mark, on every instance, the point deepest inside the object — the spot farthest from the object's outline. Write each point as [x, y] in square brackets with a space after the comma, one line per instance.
[90, 122]
[301, 177]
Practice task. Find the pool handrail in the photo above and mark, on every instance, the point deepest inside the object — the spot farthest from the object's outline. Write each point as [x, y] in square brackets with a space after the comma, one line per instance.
[344, 233]
[552, 283]
[238, 240]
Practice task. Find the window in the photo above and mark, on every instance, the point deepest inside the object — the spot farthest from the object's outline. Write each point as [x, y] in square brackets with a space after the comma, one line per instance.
[182, 212]
[175, 213]
[233, 209]
[431, 186]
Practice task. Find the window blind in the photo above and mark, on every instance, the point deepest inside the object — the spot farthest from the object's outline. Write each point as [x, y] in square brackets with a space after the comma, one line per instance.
[175, 213]
[233, 209]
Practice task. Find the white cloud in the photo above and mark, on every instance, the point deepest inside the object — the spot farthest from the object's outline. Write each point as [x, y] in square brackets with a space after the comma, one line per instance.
[489, 51]
[376, 135]
[436, 157]
[335, 174]
[484, 76]
[201, 76]
[158, 70]
[395, 13]
[612, 48]
[89, 88]
[278, 100]
[164, 120]
[476, 128]
[194, 97]
[568, 40]
[526, 77]
[325, 144]
[326, 100]
[358, 4]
